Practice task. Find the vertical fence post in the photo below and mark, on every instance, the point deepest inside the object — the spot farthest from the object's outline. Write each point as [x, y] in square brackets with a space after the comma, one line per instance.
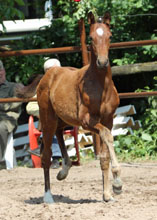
[83, 41]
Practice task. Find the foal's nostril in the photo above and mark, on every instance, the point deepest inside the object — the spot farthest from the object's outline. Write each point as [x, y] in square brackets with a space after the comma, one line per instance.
[106, 63]
[98, 63]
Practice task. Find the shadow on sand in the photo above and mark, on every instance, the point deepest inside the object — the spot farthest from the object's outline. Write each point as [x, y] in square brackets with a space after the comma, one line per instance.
[61, 199]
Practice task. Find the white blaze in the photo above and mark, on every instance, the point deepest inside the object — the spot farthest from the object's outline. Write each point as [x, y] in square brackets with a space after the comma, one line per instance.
[100, 31]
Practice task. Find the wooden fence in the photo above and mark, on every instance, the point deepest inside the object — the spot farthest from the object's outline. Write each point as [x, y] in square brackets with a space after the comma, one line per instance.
[82, 49]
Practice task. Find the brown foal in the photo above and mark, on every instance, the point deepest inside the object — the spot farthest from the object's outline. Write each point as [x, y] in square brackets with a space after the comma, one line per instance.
[83, 97]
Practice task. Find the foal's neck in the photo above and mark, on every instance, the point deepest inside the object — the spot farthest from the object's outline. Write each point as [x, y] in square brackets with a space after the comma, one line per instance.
[99, 73]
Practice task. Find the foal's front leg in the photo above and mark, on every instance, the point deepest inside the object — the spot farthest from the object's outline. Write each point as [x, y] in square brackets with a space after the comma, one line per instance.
[107, 138]
[105, 165]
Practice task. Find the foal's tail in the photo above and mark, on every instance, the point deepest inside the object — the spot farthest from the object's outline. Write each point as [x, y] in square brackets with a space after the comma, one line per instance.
[28, 91]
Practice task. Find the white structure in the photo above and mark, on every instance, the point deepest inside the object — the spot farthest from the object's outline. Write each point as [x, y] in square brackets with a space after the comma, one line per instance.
[27, 25]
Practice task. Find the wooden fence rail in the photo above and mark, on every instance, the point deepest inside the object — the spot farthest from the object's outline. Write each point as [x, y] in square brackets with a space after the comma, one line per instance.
[121, 96]
[74, 49]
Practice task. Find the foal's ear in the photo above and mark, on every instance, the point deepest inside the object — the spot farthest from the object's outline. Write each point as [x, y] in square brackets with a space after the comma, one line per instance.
[91, 19]
[107, 18]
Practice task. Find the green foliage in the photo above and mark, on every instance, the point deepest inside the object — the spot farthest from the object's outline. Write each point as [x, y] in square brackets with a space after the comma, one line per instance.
[87, 155]
[130, 24]
[126, 22]
[150, 50]
[23, 67]
[9, 12]
[127, 59]
[143, 143]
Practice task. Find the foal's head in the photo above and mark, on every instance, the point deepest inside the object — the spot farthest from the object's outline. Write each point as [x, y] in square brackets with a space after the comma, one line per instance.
[100, 38]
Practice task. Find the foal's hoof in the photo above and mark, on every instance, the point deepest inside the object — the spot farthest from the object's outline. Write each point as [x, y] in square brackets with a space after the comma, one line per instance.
[62, 175]
[117, 186]
[48, 197]
[108, 199]
[117, 190]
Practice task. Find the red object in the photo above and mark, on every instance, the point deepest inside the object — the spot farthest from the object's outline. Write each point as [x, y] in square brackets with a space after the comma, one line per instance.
[77, 0]
[74, 133]
[33, 135]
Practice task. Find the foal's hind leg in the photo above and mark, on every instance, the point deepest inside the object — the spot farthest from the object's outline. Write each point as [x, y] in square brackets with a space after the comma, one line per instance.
[66, 162]
[46, 162]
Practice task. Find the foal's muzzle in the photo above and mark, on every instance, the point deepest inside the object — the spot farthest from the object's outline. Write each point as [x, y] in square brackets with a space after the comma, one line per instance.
[102, 63]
